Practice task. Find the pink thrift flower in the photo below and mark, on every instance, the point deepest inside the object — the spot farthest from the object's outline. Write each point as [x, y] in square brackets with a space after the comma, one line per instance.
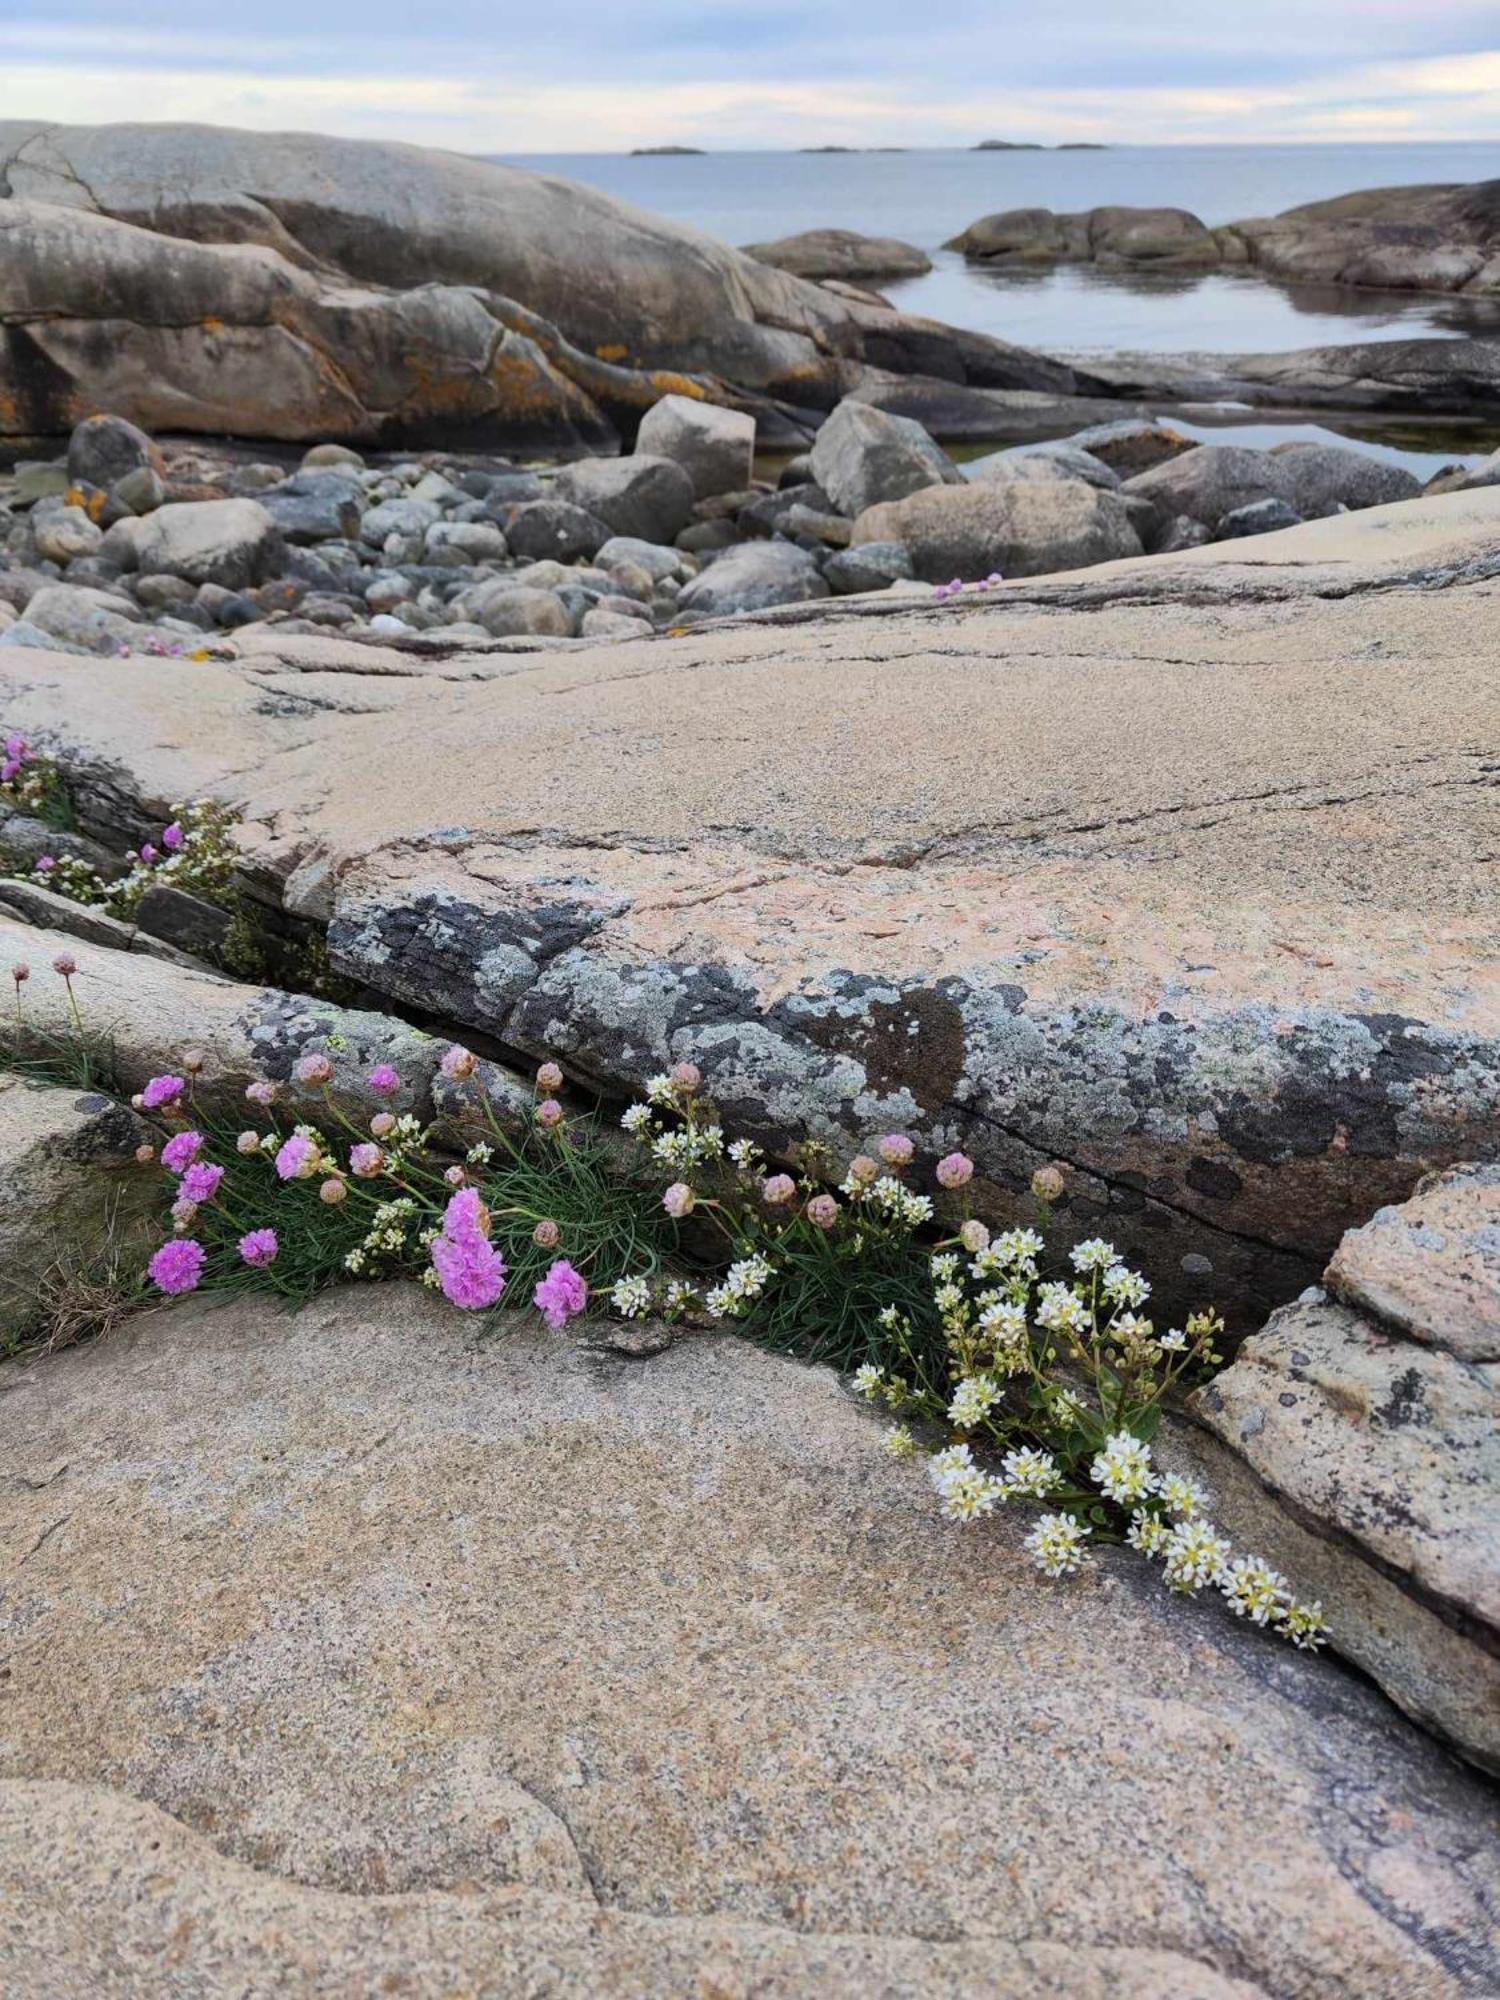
[296, 1158]
[65, 964]
[201, 1182]
[458, 1062]
[184, 1214]
[955, 1170]
[546, 1235]
[549, 1079]
[678, 1200]
[470, 1270]
[262, 1091]
[312, 1069]
[823, 1211]
[177, 1266]
[259, 1247]
[382, 1124]
[560, 1295]
[974, 1237]
[10, 770]
[15, 748]
[180, 1151]
[895, 1149]
[44, 864]
[549, 1114]
[148, 853]
[455, 1177]
[687, 1076]
[162, 1092]
[365, 1160]
[383, 1080]
[20, 972]
[780, 1188]
[172, 837]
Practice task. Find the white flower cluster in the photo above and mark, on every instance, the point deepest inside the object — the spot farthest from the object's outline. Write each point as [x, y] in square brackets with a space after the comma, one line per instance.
[964, 1491]
[891, 1200]
[632, 1297]
[688, 1145]
[743, 1282]
[387, 1235]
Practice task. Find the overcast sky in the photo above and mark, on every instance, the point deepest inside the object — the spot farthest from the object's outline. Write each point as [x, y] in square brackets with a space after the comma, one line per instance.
[492, 76]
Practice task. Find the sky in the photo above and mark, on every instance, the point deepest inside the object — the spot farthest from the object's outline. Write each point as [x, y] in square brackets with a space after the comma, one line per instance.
[491, 76]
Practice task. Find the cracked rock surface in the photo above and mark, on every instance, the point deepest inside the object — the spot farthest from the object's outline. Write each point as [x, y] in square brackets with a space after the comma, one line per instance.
[341, 1650]
[1180, 872]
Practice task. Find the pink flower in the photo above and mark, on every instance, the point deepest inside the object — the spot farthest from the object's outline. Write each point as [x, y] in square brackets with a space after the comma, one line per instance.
[470, 1270]
[955, 1170]
[687, 1076]
[560, 1295]
[262, 1091]
[177, 1266]
[20, 972]
[895, 1149]
[455, 1177]
[382, 1124]
[148, 853]
[823, 1211]
[296, 1158]
[44, 864]
[259, 1247]
[864, 1171]
[10, 770]
[313, 1068]
[466, 1210]
[778, 1189]
[383, 1080]
[172, 837]
[678, 1200]
[549, 1079]
[162, 1092]
[549, 1114]
[458, 1062]
[974, 1237]
[365, 1160]
[65, 964]
[16, 748]
[333, 1192]
[184, 1214]
[201, 1182]
[546, 1235]
[180, 1151]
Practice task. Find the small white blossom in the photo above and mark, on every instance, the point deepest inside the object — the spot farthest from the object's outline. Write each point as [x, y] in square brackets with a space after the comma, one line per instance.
[943, 1265]
[1181, 1497]
[1148, 1532]
[637, 1120]
[972, 1401]
[868, 1382]
[899, 1442]
[1028, 1473]
[1173, 1341]
[632, 1297]
[1123, 1469]
[1196, 1554]
[1125, 1287]
[1056, 1544]
[1305, 1627]
[1060, 1310]
[745, 1154]
[1093, 1255]
[1255, 1590]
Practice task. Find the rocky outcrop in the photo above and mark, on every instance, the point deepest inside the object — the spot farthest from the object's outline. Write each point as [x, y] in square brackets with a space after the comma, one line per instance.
[842, 253]
[1420, 377]
[1436, 239]
[1169, 869]
[1015, 526]
[1360, 1444]
[325, 288]
[523, 1666]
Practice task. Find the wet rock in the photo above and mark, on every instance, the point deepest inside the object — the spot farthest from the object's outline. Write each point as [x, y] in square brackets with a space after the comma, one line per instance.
[1018, 526]
[231, 542]
[646, 497]
[862, 456]
[750, 578]
[715, 447]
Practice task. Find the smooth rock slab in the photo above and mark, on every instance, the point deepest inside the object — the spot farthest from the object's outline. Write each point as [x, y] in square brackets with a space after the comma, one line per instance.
[1431, 1266]
[373, 1609]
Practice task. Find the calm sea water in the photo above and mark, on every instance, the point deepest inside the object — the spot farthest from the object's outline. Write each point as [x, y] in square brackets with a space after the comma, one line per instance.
[927, 197]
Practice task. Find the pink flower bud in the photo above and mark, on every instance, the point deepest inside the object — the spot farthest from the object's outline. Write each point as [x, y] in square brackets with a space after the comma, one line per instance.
[549, 1114]
[333, 1192]
[678, 1200]
[383, 1124]
[778, 1190]
[549, 1079]
[65, 964]
[955, 1170]
[458, 1063]
[687, 1076]
[546, 1235]
[314, 1068]
[455, 1176]
[823, 1211]
[863, 1170]
[1049, 1183]
[974, 1237]
[20, 972]
[895, 1149]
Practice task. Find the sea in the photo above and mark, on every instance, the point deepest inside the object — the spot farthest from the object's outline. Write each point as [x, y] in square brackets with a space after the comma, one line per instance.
[927, 196]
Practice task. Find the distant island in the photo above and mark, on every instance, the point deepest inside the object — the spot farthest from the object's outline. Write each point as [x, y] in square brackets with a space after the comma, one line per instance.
[665, 152]
[1036, 146]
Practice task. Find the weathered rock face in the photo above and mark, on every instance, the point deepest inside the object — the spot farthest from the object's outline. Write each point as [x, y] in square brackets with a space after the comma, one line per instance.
[863, 456]
[714, 446]
[662, 1675]
[1442, 239]
[1168, 870]
[1369, 1451]
[1018, 526]
[327, 288]
[751, 578]
[842, 253]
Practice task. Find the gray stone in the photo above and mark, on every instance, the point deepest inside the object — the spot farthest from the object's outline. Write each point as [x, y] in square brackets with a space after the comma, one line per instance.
[554, 528]
[862, 456]
[105, 449]
[232, 542]
[1257, 517]
[871, 566]
[714, 446]
[398, 517]
[1067, 457]
[503, 607]
[750, 578]
[66, 534]
[183, 920]
[842, 253]
[1430, 1266]
[1326, 477]
[644, 496]
[98, 620]
[1213, 480]
[315, 506]
[1022, 526]
[460, 544]
[139, 492]
[331, 454]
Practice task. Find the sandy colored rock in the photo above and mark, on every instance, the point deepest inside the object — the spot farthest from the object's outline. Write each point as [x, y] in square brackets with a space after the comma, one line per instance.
[1430, 1266]
[669, 1643]
[1029, 524]
[1167, 869]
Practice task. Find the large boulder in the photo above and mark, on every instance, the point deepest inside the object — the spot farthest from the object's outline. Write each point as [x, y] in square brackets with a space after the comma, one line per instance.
[104, 450]
[505, 608]
[862, 456]
[1443, 238]
[1158, 237]
[751, 577]
[1360, 1447]
[1326, 477]
[230, 542]
[645, 497]
[101, 621]
[289, 286]
[842, 253]
[353, 1656]
[715, 447]
[1020, 526]
[1212, 480]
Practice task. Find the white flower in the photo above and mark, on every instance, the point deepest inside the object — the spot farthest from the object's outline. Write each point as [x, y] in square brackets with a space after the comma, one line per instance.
[1093, 1255]
[899, 1442]
[1125, 1287]
[1182, 1497]
[947, 1464]
[1056, 1544]
[1031, 1473]
[1004, 1323]
[1305, 1627]
[1255, 1590]
[967, 1495]
[1019, 1247]
[678, 1298]
[632, 1297]
[1196, 1554]
[1123, 1469]
[948, 1298]
[943, 1264]
[660, 1089]
[972, 1401]
[1060, 1310]
[1173, 1342]
[479, 1156]
[745, 1154]
[1148, 1532]
[637, 1120]
[868, 1382]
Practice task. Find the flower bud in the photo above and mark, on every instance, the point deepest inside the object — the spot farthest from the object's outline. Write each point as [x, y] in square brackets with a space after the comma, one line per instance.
[678, 1200]
[333, 1192]
[546, 1235]
[863, 1171]
[145, 1155]
[823, 1211]
[1048, 1183]
[955, 1170]
[383, 1124]
[65, 963]
[458, 1063]
[778, 1190]
[549, 1079]
[895, 1149]
[549, 1114]
[193, 1061]
[687, 1076]
[455, 1177]
[247, 1142]
[313, 1068]
[20, 971]
[974, 1237]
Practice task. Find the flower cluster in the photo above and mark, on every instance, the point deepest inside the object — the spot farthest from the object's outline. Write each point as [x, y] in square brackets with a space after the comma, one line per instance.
[32, 783]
